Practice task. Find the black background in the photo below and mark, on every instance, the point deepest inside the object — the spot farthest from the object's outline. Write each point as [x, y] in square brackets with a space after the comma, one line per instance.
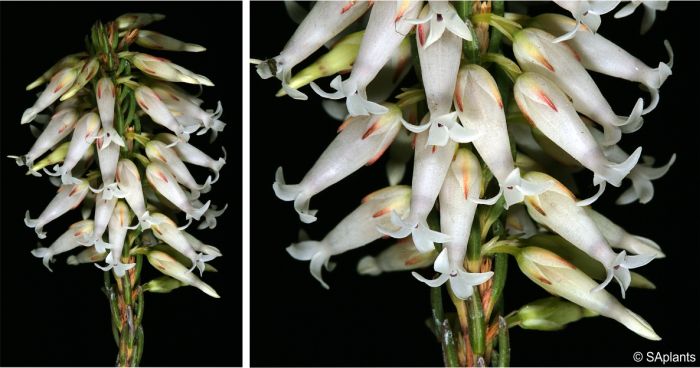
[62, 318]
[379, 321]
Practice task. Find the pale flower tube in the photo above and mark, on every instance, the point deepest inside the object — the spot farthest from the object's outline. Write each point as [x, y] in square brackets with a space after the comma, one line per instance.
[360, 141]
[67, 198]
[60, 125]
[118, 228]
[84, 134]
[164, 182]
[106, 94]
[68, 241]
[167, 231]
[59, 84]
[355, 230]
[457, 209]
[536, 52]
[557, 209]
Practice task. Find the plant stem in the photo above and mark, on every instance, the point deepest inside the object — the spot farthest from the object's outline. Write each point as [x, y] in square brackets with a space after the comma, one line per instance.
[477, 325]
[442, 325]
[503, 343]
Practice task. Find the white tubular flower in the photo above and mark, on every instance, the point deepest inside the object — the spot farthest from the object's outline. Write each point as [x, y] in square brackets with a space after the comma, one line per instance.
[430, 167]
[164, 69]
[108, 158]
[159, 41]
[129, 183]
[106, 94]
[641, 175]
[159, 113]
[550, 111]
[619, 238]
[480, 109]
[210, 215]
[171, 91]
[536, 53]
[169, 266]
[401, 256]
[165, 183]
[158, 151]
[561, 278]
[68, 197]
[137, 20]
[59, 84]
[598, 54]
[386, 28]
[650, 8]
[68, 241]
[557, 209]
[104, 208]
[357, 229]
[167, 231]
[193, 155]
[439, 15]
[118, 227]
[85, 132]
[586, 13]
[65, 62]
[439, 65]
[187, 112]
[325, 20]
[457, 208]
[60, 125]
[86, 74]
[361, 141]
[87, 255]
[199, 246]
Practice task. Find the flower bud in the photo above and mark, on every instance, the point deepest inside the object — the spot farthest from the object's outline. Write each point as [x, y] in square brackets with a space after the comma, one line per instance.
[69, 240]
[86, 74]
[65, 62]
[68, 197]
[164, 69]
[137, 20]
[169, 266]
[156, 109]
[158, 41]
[55, 157]
[163, 284]
[549, 314]
[400, 256]
[88, 255]
[59, 84]
[561, 278]
[619, 238]
[60, 125]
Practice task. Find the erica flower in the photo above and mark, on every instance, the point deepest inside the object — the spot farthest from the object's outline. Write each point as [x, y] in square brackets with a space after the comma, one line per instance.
[163, 181]
[66, 242]
[156, 109]
[159, 41]
[357, 229]
[480, 108]
[167, 231]
[461, 188]
[401, 256]
[86, 130]
[598, 54]
[587, 13]
[561, 278]
[106, 95]
[650, 8]
[324, 21]
[164, 69]
[60, 125]
[68, 197]
[119, 225]
[59, 84]
[439, 15]
[618, 237]
[548, 109]
[386, 28]
[557, 209]
[169, 266]
[536, 52]
[360, 141]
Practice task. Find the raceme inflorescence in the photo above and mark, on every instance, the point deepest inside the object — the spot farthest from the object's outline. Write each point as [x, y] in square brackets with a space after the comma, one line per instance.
[112, 133]
[505, 109]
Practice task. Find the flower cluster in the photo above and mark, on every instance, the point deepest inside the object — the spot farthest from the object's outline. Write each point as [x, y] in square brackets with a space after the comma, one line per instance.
[113, 136]
[527, 119]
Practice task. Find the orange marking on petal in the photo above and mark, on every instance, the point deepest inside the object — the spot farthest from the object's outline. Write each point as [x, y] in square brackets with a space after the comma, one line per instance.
[573, 52]
[160, 157]
[413, 141]
[421, 35]
[142, 104]
[537, 207]
[373, 128]
[58, 87]
[345, 124]
[544, 280]
[458, 98]
[434, 149]
[465, 178]
[114, 91]
[347, 7]
[174, 97]
[73, 191]
[99, 93]
[547, 100]
[500, 102]
[381, 212]
[545, 62]
[402, 10]
[162, 176]
[156, 230]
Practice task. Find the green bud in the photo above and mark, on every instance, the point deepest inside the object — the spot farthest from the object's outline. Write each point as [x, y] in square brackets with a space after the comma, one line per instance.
[58, 155]
[163, 284]
[549, 314]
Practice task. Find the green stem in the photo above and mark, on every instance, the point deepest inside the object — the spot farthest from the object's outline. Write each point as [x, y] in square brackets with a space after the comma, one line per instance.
[442, 325]
[503, 343]
[500, 271]
[474, 249]
[477, 325]
[498, 8]
[470, 48]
